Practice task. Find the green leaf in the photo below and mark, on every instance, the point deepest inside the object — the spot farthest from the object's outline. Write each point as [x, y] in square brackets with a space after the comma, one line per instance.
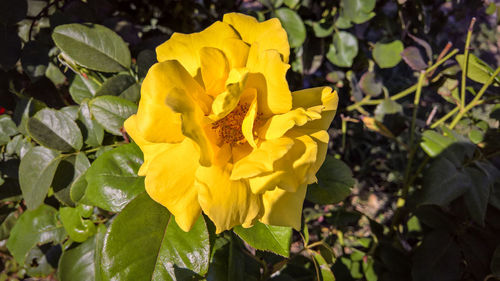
[25, 108]
[477, 69]
[145, 243]
[388, 55]
[68, 173]
[334, 183]
[34, 227]
[145, 60]
[92, 132]
[343, 49]
[7, 129]
[18, 145]
[476, 198]
[437, 258]
[358, 11]
[371, 84]
[444, 182]
[320, 30]
[56, 130]
[112, 179]
[111, 112]
[411, 55]
[387, 107]
[93, 46]
[55, 75]
[293, 25]
[36, 172]
[119, 85]
[7, 225]
[82, 88]
[78, 229]
[265, 237]
[324, 268]
[433, 143]
[39, 260]
[77, 264]
[71, 111]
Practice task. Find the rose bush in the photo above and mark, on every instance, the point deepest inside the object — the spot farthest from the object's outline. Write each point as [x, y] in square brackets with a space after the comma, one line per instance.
[222, 133]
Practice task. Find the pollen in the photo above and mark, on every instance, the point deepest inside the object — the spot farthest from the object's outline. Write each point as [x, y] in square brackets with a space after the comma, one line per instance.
[229, 127]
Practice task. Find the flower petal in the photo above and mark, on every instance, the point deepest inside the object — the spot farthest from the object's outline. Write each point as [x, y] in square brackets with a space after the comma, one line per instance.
[276, 126]
[155, 120]
[225, 102]
[192, 122]
[149, 149]
[268, 34]
[250, 116]
[291, 170]
[170, 181]
[226, 202]
[261, 159]
[214, 70]
[308, 98]
[185, 47]
[268, 76]
[284, 208]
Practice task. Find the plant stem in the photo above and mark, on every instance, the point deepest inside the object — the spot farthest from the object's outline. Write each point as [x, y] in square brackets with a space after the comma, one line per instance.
[416, 101]
[444, 118]
[466, 63]
[475, 101]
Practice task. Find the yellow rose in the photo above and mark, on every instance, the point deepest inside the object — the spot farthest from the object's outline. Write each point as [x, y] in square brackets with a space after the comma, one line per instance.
[222, 133]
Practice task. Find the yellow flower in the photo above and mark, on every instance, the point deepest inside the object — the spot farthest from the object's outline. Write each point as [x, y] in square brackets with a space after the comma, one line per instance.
[222, 133]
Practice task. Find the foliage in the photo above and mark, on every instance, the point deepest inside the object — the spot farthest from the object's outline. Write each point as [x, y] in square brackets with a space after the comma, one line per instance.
[410, 189]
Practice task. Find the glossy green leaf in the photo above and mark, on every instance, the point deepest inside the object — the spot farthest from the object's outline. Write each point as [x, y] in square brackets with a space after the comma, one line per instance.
[476, 198]
[36, 172]
[112, 179]
[322, 30]
[77, 264]
[145, 243]
[33, 227]
[324, 269]
[55, 75]
[18, 145]
[120, 85]
[477, 69]
[78, 229]
[56, 130]
[39, 260]
[71, 111]
[7, 129]
[293, 25]
[110, 112]
[358, 11]
[93, 46]
[68, 173]
[334, 182]
[7, 225]
[82, 88]
[389, 54]
[25, 108]
[343, 49]
[433, 143]
[92, 131]
[265, 237]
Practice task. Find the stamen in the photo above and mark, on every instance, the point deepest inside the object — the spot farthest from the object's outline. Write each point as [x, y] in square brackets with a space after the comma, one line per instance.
[229, 127]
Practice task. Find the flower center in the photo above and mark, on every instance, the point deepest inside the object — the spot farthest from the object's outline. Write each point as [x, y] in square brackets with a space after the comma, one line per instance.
[229, 127]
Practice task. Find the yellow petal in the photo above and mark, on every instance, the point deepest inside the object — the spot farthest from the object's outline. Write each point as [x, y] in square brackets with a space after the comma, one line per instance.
[268, 34]
[249, 120]
[155, 120]
[313, 97]
[225, 102]
[261, 159]
[192, 122]
[227, 203]
[268, 76]
[276, 126]
[149, 149]
[284, 208]
[170, 181]
[214, 70]
[185, 47]
[291, 170]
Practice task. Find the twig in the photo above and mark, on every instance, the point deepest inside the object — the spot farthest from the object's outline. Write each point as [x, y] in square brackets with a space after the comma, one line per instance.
[466, 63]
[431, 116]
